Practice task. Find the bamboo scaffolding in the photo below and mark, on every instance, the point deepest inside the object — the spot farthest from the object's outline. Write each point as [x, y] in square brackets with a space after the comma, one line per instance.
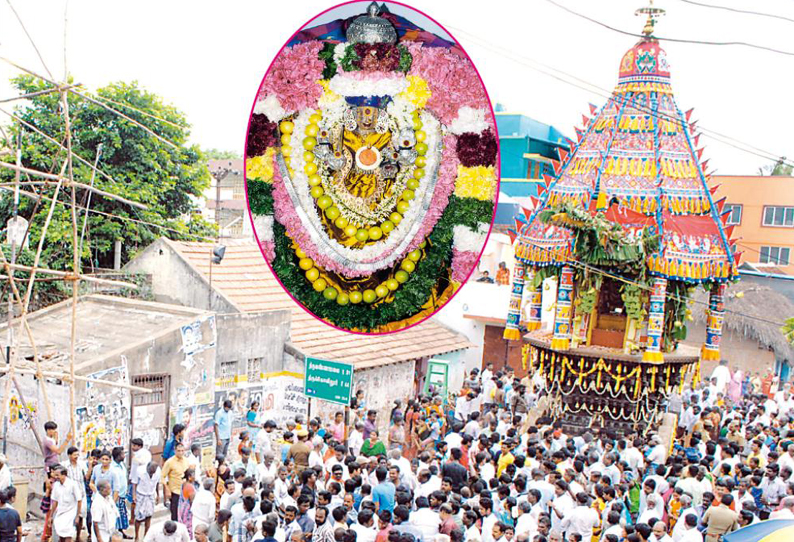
[37, 93]
[77, 378]
[55, 142]
[64, 179]
[70, 182]
[95, 102]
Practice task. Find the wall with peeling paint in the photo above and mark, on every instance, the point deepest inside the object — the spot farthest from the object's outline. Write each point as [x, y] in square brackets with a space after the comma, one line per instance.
[175, 281]
[258, 335]
[382, 386]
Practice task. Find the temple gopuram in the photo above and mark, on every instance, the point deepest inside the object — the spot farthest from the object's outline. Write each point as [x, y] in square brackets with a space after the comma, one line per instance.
[628, 228]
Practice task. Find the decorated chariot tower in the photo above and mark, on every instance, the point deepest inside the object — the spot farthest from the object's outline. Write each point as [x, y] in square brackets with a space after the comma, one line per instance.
[629, 228]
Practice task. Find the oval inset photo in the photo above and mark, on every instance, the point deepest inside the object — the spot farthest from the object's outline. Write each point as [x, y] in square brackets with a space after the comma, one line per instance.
[371, 167]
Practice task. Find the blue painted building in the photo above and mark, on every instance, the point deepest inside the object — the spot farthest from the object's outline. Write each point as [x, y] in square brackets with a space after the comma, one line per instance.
[526, 150]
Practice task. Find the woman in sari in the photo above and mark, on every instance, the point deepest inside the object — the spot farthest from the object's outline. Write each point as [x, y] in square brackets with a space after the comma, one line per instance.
[397, 434]
[186, 500]
[411, 417]
[372, 446]
[220, 473]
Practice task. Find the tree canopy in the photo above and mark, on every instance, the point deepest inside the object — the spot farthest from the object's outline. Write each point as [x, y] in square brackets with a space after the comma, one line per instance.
[168, 179]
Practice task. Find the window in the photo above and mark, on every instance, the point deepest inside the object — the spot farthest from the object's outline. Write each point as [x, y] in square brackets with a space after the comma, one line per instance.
[774, 255]
[228, 372]
[778, 216]
[254, 369]
[736, 213]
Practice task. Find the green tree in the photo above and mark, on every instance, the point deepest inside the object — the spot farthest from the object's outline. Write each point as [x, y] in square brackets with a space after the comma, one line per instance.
[780, 168]
[788, 329]
[144, 169]
[218, 154]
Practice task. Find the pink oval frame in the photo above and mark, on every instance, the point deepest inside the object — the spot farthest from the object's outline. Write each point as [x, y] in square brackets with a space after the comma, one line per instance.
[498, 180]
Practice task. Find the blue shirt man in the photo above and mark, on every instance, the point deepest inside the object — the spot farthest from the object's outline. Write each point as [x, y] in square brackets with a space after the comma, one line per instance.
[223, 428]
[383, 493]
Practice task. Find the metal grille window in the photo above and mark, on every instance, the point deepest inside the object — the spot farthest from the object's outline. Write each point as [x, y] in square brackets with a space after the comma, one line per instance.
[228, 372]
[157, 384]
[254, 369]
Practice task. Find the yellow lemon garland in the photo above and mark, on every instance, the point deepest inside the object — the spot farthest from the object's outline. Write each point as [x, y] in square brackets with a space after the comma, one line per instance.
[326, 204]
[371, 296]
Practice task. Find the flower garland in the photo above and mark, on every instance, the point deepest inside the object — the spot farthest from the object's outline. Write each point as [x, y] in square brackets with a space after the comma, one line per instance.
[342, 259]
[412, 295]
[371, 228]
[452, 80]
[364, 56]
[477, 182]
[293, 76]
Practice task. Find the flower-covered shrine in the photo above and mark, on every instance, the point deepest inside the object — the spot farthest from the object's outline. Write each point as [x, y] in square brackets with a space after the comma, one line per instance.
[628, 227]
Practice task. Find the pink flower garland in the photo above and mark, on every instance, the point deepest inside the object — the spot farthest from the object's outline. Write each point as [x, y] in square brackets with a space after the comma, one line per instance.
[293, 77]
[286, 215]
[452, 79]
[269, 249]
[462, 264]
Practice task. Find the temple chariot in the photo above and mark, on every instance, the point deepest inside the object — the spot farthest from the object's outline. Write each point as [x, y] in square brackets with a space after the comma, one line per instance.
[629, 228]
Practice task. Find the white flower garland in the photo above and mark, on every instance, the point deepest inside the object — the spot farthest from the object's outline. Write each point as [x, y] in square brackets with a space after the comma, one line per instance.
[402, 110]
[469, 120]
[372, 257]
[271, 108]
[467, 240]
[348, 85]
[263, 224]
[339, 53]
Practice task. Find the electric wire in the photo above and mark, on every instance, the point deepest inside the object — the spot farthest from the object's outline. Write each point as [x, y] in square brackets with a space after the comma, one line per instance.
[671, 296]
[736, 10]
[672, 40]
[604, 93]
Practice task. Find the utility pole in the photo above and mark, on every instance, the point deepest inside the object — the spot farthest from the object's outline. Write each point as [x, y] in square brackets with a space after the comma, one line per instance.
[219, 175]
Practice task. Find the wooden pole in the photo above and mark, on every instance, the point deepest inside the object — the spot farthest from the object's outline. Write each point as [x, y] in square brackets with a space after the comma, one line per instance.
[77, 378]
[75, 259]
[57, 143]
[25, 404]
[39, 249]
[30, 95]
[71, 182]
[66, 275]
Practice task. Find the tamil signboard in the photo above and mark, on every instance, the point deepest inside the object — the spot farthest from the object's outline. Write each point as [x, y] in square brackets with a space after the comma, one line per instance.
[328, 380]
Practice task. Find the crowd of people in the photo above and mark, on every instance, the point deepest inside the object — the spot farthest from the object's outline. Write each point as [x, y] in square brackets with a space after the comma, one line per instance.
[474, 466]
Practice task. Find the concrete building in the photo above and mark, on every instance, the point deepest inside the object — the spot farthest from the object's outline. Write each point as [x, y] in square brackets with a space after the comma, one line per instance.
[387, 367]
[224, 201]
[762, 211]
[171, 351]
[526, 149]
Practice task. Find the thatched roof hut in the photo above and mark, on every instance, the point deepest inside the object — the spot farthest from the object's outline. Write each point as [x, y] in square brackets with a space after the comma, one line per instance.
[758, 315]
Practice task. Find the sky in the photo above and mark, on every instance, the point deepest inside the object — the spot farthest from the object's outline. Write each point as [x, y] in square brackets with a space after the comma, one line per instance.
[208, 58]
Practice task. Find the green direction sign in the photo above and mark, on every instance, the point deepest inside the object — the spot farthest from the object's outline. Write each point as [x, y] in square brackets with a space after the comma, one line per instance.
[330, 381]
